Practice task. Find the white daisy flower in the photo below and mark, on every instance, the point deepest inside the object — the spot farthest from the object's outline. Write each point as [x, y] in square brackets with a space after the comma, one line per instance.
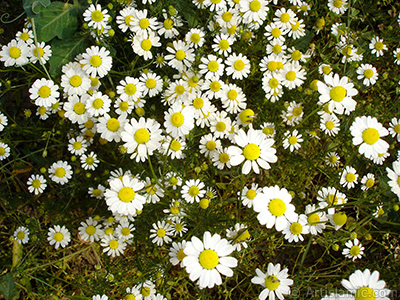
[178, 226]
[366, 285]
[254, 149]
[297, 30]
[268, 129]
[238, 235]
[394, 128]
[98, 104]
[274, 207]
[337, 6]
[169, 25]
[43, 50]
[21, 235]
[77, 146]
[3, 121]
[274, 33]
[153, 190]
[123, 106]
[60, 172]
[179, 120]
[295, 228]
[152, 84]
[292, 140]
[330, 124]
[97, 192]
[125, 19]
[4, 151]
[96, 61]
[176, 253]
[211, 66]
[195, 38]
[367, 133]
[44, 92]
[349, 177]
[316, 219]
[96, 17]
[377, 46]
[338, 92]
[253, 10]
[293, 75]
[330, 197]
[143, 25]
[222, 44]
[207, 259]
[367, 181]
[248, 194]
[125, 231]
[25, 35]
[143, 43]
[181, 57]
[90, 230]
[394, 176]
[396, 54]
[161, 233]
[209, 144]
[75, 82]
[284, 18]
[113, 245]
[237, 66]
[14, 53]
[271, 83]
[332, 159]
[193, 190]
[173, 147]
[133, 294]
[368, 74]
[111, 128]
[36, 184]
[130, 89]
[275, 282]
[89, 161]
[59, 236]
[354, 249]
[123, 195]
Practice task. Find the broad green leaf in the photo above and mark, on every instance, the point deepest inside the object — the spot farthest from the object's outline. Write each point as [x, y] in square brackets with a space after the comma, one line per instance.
[7, 287]
[64, 51]
[32, 7]
[58, 19]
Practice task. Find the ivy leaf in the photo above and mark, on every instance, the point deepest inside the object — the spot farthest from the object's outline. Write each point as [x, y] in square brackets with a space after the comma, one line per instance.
[33, 7]
[7, 287]
[64, 51]
[58, 19]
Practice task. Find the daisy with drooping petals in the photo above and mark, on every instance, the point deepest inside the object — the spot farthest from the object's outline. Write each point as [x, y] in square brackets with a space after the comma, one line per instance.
[179, 120]
[255, 149]
[354, 249]
[60, 172]
[96, 61]
[21, 235]
[366, 285]
[59, 236]
[96, 17]
[338, 92]
[367, 133]
[394, 128]
[274, 207]
[394, 176]
[176, 253]
[206, 260]
[275, 281]
[238, 234]
[316, 219]
[44, 92]
[36, 184]
[141, 137]
[123, 196]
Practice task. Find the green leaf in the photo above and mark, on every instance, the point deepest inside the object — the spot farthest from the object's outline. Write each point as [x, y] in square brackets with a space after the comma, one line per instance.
[303, 42]
[7, 287]
[33, 7]
[57, 19]
[64, 51]
[17, 254]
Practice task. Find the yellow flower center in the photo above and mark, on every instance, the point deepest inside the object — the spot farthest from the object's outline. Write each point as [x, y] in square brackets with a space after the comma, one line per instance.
[224, 158]
[370, 136]
[161, 232]
[329, 125]
[251, 151]
[293, 140]
[44, 91]
[337, 93]
[168, 24]
[296, 228]
[211, 145]
[14, 52]
[75, 80]
[232, 95]
[208, 259]
[20, 235]
[277, 49]
[59, 172]
[268, 130]
[350, 177]
[130, 297]
[180, 55]
[297, 111]
[231, 30]
[96, 192]
[368, 73]
[397, 128]
[98, 103]
[215, 86]
[291, 75]
[272, 66]
[193, 191]
[146, 45]
[223, 45]
[123, 105]
[355, 250]
[97, 16]
[295, 26]
[313, 219]
[150, 83]
[113, 124]
[339, 218]
[378, 46]
[90, 230]
[24, 36]
[175, 145]
[109, 231]
[332, 199]
[277, 207]
[221, 126]
[276, 32]
[90, 160]
[204, 203]
[142, 136]
[227, 16]
[195, 38]
[213, 66]
[150, 189]
[113, 244]
[58, 236]
[177, 119]
[144, 23]
[79, 108]
[296, 55]
[326, 70]
[365, 293]
[128, 20]
[338, 3]
[369, 183]
[180, 255]
[42, 110]
[126, 194]
[285, 17]
[244, 236]
[198, 103]
[239, 65]
[179, 89]
[215, 1]
[178, 227]
[271, 282]
[145, 291]
[251, 194]
[89, 124]
[255, 5]
[95, 61]
[41, 51]
[35, 183]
